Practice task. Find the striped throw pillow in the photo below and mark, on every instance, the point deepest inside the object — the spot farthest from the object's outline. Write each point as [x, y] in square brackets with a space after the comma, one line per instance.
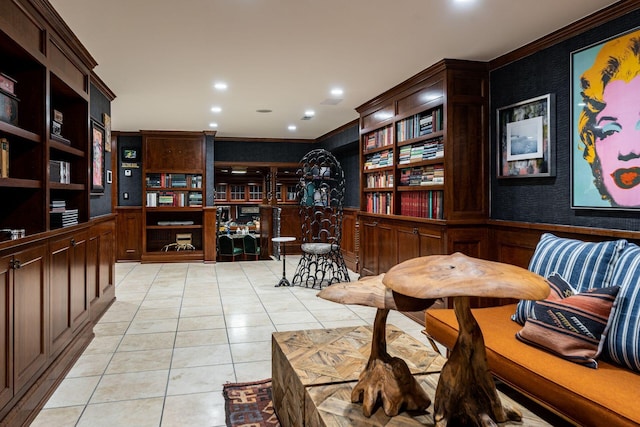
[574, 328]
[623, 344]
[585, 265]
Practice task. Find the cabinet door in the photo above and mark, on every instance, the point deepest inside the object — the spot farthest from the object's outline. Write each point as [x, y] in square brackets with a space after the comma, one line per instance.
[59, 290]
[387, 247]
[408, 241]
[78, 298]
[30, 309]
[6, 331]
[368, 248]
[129, 235]
[68, 306]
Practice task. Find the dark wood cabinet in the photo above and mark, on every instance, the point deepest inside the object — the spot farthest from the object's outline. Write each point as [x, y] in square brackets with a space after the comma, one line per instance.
[68, 302]
[6, 330]
[101, 268]
[129, 224]
[27, 272]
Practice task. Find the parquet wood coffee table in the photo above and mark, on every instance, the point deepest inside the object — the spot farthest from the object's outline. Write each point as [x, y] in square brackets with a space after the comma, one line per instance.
[330, 357]
[314, 371]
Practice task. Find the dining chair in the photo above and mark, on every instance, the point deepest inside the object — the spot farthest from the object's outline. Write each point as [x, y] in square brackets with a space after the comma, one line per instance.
[227, 247]
[251, 247]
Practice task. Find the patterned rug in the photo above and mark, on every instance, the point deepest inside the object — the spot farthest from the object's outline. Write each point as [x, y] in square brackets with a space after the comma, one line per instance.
[249, 404]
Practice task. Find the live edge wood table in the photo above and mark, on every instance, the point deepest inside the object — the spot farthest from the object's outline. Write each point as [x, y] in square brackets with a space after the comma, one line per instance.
[315, 370]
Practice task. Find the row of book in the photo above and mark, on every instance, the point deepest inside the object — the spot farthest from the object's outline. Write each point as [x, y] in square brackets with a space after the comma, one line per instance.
[379, 138]
[432, 149]
[60, 216]
[422, 204]
[380, 203]
[173, 199]
[422, 176]
[173, 180]
[419, 125]
[60, 171]
[380, 179]
[379, 160]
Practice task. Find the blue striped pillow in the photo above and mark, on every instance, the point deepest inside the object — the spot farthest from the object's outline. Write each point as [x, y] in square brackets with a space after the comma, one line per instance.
[623, 342]
[584, 265]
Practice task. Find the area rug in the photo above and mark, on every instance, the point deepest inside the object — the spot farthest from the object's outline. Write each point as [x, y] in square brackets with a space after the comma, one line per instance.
[249, 404]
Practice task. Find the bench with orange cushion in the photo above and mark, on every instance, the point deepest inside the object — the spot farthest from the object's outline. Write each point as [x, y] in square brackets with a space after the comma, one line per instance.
[606, 396]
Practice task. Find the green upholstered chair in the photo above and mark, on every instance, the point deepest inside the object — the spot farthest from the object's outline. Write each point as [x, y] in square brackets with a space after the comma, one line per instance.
[251, 247]
[227, 248]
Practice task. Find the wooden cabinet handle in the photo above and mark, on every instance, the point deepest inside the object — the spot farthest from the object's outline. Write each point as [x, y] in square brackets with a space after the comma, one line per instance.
[15, 264]
[73, 242]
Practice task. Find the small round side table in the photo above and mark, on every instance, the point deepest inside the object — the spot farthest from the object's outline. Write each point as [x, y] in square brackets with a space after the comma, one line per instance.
[283, 241]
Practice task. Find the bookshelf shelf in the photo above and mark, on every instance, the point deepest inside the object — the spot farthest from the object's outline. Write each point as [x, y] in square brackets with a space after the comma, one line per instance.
[10, 129]
[66, 187]
[20, 183]
[59, 146]
[429, 187]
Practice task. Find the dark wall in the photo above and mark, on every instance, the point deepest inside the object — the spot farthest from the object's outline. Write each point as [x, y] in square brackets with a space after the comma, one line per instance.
[548, 200]
[132, 185]
[345, 147]
[99, 105]
[258, 151]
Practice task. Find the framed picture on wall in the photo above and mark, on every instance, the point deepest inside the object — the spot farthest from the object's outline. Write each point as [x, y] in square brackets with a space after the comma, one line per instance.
[524, 135]
[605, 124]
[97, 158]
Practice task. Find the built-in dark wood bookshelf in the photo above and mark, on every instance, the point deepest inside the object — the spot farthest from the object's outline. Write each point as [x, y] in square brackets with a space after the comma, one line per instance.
[424, 163]
[174, 184]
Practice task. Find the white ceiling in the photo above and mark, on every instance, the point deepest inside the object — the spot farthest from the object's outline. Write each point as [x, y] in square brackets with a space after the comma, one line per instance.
[162, 57]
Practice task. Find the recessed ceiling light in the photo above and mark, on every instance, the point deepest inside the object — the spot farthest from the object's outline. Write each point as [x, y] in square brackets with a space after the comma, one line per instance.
[220, 86]
[216, 109]
[292, 127]
[336, 91]
[309, 113]
[213, 125]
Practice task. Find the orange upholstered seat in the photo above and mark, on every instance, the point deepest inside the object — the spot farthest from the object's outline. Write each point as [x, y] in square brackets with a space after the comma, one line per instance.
[606, 396]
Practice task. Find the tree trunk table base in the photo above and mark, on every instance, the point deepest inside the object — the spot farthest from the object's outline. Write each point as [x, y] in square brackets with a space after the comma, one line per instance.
[466, 394]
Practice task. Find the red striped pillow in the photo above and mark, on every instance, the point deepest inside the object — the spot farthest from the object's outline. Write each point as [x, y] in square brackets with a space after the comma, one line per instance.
[574, 327]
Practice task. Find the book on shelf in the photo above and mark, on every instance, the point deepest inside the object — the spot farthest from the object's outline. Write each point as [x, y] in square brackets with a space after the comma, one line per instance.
[422, 204]
[195, 199]
[60, 171]
[4, 158]
[64, 218]
[380, 203]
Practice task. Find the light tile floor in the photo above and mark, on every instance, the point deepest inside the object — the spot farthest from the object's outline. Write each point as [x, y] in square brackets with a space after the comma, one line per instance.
[178, 332]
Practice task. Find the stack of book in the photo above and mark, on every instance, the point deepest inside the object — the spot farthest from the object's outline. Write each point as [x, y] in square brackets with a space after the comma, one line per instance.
[431, 149]
[195, 198]
[61, 216]
[379, 160]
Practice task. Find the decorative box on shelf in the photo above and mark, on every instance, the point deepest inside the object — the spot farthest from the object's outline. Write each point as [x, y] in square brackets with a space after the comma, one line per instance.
[7, 84]
[8, 108]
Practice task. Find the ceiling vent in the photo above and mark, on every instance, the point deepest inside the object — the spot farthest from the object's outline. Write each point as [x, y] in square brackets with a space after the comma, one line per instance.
[331, 101]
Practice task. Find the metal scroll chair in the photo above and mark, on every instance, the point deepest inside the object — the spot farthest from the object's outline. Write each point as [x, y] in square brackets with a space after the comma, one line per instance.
[251, 248]
[227, 247]
[320, 193]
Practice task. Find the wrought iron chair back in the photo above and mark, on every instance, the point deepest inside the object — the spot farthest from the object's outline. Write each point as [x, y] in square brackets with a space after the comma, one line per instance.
[320, 193]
